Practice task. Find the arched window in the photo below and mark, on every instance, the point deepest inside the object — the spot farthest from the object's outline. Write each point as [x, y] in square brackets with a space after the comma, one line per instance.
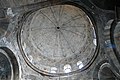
[95, 41]
[53, 70]
[67, 68]
[10, 12]
[80, 64]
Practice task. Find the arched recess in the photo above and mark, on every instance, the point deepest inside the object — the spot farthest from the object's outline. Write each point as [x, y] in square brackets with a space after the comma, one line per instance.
[104, 71]
[115, 38]
[9, 68]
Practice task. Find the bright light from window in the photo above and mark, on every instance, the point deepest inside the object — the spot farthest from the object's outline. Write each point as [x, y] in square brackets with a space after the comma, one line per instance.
[24, 46]
[95, 42]
[67, 68]
[53, 70]
[10, 12]
[94, 32]
[80, 64]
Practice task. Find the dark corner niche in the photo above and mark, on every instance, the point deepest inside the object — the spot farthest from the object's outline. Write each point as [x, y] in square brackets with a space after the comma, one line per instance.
[104, 4]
